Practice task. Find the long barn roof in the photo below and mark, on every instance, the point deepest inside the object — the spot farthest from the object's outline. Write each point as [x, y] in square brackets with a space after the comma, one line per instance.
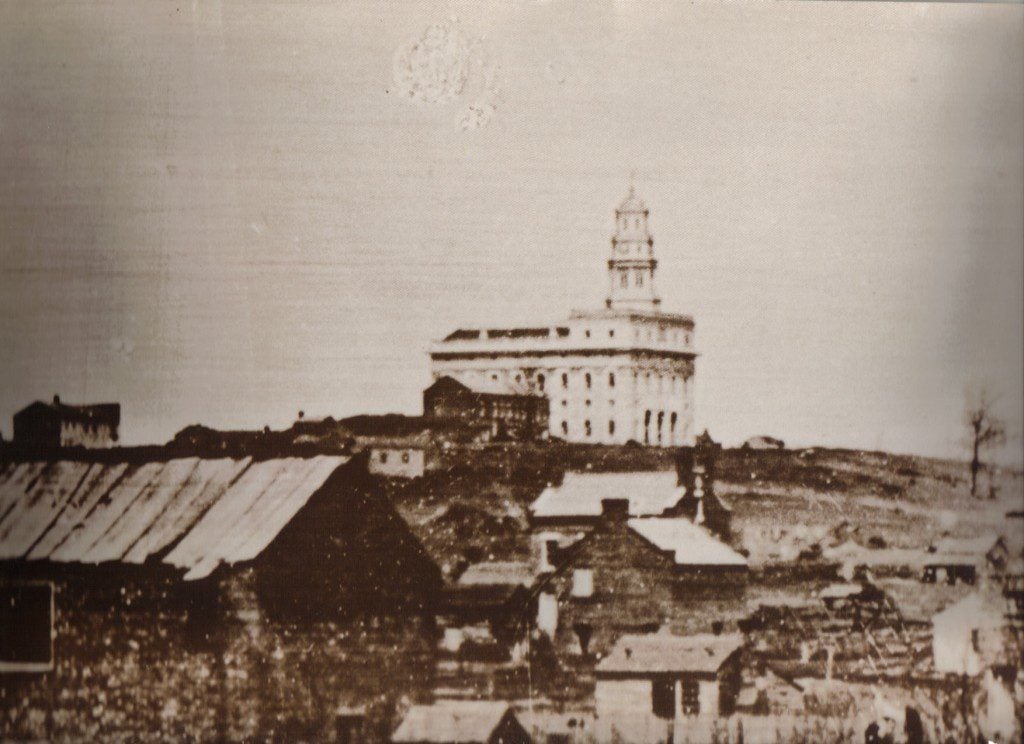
[200, 512]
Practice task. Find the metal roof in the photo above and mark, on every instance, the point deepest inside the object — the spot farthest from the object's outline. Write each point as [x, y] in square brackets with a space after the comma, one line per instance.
[660, 653]
[451, 721]
[691, 544]
[202, 511]
[580, 495]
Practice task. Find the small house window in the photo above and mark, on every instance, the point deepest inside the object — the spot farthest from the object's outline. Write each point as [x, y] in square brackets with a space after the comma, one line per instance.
[691, 697]
[623, 279]
[611, 333]
[565, 380]
[583, 582]
[540, 382]
[639, 279]
[611, 379]
[494, 376]
[26, 627]
[587, 380]
[405, 457]
[663, 698]
[611, 426]
[565, 428]
[586, 427]
[587, 333]
[383, 456]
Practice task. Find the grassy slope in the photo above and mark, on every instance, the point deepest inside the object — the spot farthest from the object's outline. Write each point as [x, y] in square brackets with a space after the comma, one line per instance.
[473, 508]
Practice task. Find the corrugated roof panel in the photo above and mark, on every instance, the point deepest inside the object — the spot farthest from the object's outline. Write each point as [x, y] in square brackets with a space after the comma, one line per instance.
[259, 510]
[217, 510]
[261, 528]
[223, 515]
[37, 509]
[99, 480]
[139, 514]
[205, 485]
[108, 510]
[267, 513]
[13, 487]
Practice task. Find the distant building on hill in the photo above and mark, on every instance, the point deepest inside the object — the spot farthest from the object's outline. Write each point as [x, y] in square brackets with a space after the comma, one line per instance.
[619, 374]
[510, 412]
[764, 443]
[57, 424]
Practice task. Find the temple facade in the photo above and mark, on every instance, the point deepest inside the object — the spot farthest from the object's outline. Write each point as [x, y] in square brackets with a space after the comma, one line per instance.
[611, 375]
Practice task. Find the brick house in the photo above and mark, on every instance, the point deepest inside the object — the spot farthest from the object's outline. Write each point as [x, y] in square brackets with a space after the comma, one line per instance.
[632, 575]
[208, 599]
[511, 413]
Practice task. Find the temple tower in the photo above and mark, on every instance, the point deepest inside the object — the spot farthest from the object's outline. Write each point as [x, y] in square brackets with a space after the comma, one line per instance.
[631, 266]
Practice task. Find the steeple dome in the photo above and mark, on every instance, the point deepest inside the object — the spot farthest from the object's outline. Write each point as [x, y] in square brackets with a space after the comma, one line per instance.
[631, 204]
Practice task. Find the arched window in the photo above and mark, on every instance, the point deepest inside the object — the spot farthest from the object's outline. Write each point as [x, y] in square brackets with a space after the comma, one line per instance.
[565, 380]
[672, 421]
[661, 417]
[565, 428]
[540, 382]
[623, 279]
[587, 380]
[611, 379]
[639, 278]
[611, 426]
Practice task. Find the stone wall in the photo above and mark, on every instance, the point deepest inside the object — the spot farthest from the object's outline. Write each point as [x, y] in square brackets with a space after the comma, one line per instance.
[144, 656]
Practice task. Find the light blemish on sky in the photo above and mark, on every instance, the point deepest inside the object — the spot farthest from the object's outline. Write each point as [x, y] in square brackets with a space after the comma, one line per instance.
[437, 66]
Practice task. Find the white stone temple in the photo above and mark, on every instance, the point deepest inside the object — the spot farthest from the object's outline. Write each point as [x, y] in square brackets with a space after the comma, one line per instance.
[621, 373]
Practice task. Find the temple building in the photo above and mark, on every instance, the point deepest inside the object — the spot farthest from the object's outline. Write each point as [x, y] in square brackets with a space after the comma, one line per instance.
[611, 375]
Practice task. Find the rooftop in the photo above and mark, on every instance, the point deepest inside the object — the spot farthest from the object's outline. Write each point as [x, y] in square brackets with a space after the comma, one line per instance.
[451, 721]
[692, 544]
[107, 413]
[498, 573]
[201, 512]
[581, 494]
[659, 653]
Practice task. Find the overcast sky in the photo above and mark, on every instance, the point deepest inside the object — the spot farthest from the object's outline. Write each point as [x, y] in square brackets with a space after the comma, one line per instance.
[225, 213]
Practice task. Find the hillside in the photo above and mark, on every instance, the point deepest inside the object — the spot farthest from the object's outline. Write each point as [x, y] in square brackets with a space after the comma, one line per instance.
[783, 501]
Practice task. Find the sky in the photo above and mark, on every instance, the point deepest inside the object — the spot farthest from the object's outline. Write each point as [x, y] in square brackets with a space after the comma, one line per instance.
[224, 213]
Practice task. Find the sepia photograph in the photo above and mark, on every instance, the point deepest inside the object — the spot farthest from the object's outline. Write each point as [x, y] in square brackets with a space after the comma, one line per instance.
[512, 371]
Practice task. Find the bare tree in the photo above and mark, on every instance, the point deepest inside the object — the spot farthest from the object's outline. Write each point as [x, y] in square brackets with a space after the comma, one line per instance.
[986, 431]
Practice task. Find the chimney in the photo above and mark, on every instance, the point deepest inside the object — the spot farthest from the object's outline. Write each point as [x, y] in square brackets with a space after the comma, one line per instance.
[615, 510]
[684, 467]
[56, 400]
